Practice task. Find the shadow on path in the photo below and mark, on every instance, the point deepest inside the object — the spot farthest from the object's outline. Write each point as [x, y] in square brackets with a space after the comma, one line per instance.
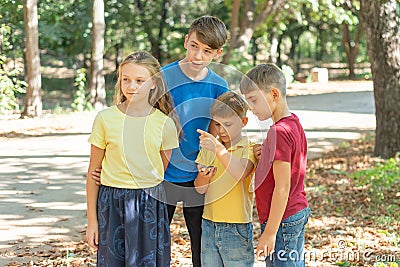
[42, 192]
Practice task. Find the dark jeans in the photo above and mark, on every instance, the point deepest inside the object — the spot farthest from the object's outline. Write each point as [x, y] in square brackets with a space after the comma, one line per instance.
[193, 204]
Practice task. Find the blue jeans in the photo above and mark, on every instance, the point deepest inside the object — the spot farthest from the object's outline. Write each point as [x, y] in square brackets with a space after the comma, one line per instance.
[289, 244]
[227, 244]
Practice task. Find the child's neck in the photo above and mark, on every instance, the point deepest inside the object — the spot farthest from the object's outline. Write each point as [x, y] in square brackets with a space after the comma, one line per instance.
[136, 109]
[192, 74]
[281, 111]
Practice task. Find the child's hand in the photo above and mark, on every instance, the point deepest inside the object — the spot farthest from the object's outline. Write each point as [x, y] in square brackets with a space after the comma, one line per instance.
[266, 245]
[96, 176]
[203, 177]
[207, 172]
[92, 235]
[209, 142]
[257, 151]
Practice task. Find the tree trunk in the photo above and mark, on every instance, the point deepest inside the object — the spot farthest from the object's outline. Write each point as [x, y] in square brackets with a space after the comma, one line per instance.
[33, 99]
[254, 51]
[248, 23]
[381, 25]
[318, 45]
[233, 29]
[273, 52]
[278, 51]
[97, 82]
[149, 25]
[1, 51]
[350, 47]
[294, 39]
[161, 27]
[118, 55]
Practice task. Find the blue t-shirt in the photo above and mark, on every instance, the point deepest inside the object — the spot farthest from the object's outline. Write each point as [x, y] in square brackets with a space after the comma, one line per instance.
[192, 101]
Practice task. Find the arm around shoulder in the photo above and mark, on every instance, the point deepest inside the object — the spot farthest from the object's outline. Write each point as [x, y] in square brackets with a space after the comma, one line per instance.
[165, 157]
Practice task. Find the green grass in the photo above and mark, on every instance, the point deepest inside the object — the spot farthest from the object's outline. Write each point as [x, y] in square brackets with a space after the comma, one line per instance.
[382, 183]
[382, 176]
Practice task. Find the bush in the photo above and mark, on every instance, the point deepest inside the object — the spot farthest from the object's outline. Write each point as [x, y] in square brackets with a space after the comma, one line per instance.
[10, 85]
[80, 102]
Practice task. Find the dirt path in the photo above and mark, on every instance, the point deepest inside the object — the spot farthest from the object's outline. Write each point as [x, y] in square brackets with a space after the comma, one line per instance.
[43, 163]
[42, 188]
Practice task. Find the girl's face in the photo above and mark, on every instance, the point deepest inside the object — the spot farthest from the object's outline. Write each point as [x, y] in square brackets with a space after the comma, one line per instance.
[136, 82]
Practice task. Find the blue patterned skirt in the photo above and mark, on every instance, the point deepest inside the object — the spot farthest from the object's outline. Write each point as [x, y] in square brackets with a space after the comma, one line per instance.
[133, 227]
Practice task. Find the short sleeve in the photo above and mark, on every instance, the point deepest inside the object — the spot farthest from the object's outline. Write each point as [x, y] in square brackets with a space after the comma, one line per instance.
[169, 135]
[223, 88]
[249, 154]
[283, 149]
[97, 137]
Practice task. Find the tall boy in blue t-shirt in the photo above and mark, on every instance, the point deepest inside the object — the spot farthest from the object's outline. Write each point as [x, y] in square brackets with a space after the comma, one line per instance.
[193, 87]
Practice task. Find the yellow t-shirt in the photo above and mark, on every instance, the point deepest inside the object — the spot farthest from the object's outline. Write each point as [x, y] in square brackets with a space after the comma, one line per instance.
[227, 199]
[133, 144]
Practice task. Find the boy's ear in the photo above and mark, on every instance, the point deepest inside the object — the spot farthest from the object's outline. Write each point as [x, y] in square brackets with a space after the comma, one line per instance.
[245, 120]
[218, 54]
[275, 93]
[186, 41]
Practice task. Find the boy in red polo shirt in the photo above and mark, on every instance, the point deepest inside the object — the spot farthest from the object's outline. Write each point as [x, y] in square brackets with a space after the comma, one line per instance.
[280, 197]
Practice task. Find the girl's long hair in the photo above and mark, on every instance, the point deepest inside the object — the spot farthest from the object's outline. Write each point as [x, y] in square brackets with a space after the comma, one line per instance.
[159, 97]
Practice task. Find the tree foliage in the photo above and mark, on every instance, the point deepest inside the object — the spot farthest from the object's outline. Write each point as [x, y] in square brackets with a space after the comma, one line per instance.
[265, 30]
[10, 87]
[81, 101]
[65, 28]
[286, 32]
[10, 84]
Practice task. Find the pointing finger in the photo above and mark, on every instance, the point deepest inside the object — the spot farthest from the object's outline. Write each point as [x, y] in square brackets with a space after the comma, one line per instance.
[200, 131]
[203, 133]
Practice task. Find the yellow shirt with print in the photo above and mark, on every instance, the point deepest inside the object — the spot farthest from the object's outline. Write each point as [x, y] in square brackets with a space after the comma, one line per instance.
[227, 199]
[132, 147]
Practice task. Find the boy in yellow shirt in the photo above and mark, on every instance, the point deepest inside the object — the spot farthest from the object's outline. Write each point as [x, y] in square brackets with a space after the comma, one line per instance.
[225, 168]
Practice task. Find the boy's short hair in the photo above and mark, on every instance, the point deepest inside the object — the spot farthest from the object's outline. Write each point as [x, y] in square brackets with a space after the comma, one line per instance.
[210, 31]
[229, 104]
[264, 76]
